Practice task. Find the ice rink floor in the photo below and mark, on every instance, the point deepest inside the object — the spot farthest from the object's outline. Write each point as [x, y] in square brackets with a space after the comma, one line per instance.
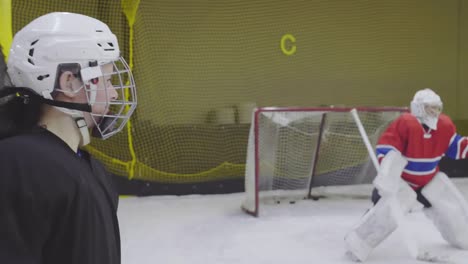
[212, 229]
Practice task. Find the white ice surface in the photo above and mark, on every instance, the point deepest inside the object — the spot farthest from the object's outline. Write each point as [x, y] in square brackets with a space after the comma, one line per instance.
[212, 229]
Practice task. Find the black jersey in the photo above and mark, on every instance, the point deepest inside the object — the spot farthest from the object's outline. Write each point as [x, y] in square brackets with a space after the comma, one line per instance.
[55, 206]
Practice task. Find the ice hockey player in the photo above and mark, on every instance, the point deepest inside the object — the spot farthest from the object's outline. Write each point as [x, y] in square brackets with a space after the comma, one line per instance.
[409, 152]
[57, 203]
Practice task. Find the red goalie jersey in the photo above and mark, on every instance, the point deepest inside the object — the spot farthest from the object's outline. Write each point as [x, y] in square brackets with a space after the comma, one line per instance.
[421, 146]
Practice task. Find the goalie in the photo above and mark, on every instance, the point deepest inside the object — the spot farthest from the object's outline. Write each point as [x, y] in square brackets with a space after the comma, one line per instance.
[409, 152]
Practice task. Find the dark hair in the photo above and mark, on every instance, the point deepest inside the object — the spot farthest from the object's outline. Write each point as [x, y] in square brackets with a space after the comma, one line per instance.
[18, 114]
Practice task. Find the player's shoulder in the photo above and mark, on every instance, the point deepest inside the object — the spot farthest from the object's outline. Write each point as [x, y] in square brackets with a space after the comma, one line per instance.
[407, 117]
[445, 123]
[445, 119]
[405, 123]
[37, 143]
[22, 144]
[15, 140]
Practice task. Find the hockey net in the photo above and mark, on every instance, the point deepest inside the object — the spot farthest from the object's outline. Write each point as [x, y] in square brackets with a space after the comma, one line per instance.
[293, 153]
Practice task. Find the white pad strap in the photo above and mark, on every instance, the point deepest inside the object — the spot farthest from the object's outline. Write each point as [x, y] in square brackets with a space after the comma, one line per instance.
[388, 178]
[449, 211]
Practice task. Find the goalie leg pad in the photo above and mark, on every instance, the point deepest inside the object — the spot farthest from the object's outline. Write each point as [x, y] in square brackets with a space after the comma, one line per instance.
[380, 221]
[449, 211]
[374, 227]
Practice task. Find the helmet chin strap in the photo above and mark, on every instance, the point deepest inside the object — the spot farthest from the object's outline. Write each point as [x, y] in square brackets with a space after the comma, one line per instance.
[75, 110]
[80, 122]
[78, 116]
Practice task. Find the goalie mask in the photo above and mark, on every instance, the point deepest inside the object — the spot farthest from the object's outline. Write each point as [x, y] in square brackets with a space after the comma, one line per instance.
[427, 106]
[65, 42]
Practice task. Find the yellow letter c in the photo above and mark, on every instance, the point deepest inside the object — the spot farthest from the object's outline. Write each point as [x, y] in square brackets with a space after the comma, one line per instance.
[285, 38]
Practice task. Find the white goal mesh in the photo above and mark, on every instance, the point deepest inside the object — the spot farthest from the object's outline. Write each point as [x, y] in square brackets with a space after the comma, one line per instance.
[293, 150]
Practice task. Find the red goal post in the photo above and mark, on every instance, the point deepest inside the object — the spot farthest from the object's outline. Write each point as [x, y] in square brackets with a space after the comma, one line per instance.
[291, 151]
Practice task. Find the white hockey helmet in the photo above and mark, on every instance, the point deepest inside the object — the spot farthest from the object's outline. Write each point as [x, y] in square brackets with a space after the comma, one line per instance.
[427, 106]
[56, 39]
